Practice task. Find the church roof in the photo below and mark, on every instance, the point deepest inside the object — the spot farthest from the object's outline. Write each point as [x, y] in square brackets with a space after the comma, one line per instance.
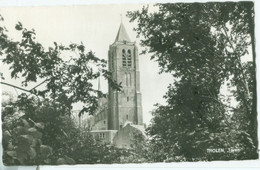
[122, 34]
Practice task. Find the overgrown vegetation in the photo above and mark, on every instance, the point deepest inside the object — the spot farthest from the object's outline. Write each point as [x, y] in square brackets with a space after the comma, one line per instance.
[40, 134]
[202, 45]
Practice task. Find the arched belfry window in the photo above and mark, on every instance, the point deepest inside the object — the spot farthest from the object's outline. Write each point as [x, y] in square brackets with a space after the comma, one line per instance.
[124, 58]
[129, 58]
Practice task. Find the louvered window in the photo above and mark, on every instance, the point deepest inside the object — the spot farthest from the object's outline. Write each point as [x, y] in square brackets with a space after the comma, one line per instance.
[124, 58]
[129, 58]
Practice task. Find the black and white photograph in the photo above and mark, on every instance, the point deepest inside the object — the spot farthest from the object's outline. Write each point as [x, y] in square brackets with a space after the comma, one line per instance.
[137, 83]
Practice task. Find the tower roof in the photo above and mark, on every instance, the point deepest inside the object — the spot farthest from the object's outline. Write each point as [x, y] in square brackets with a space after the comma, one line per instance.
[122, 34]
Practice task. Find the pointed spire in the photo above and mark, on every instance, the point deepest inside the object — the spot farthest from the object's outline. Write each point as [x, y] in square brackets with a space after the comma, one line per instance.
[122, 34]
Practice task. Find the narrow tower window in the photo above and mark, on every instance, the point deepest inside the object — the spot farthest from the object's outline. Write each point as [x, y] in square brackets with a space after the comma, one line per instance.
[129, 79]
[123, 58]
[129, 58]
[127, 117]
[126, 79]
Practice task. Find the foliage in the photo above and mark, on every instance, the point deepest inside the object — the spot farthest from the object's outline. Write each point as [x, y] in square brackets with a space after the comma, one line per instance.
[66, 72]
[139, 150]
[45, 132]
[54, 140]
[22, 140]
[202, 45]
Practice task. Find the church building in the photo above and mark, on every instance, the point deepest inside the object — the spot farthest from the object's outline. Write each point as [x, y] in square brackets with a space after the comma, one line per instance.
[120, 114]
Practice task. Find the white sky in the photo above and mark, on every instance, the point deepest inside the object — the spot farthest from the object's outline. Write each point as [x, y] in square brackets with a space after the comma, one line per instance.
[96, 26]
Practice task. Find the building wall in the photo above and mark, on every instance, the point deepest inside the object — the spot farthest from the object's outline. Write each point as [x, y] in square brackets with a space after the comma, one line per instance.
[125, 137]
[100, 118]
[100, 125]
[104, 136]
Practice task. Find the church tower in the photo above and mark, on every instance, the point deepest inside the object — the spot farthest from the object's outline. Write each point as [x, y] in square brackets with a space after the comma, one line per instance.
[124, 106]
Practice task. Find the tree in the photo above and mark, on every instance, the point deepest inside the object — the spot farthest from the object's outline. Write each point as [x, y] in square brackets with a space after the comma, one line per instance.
[36, 134]
[22, 138]
[65, 75]
[67, 72]
[201, 44]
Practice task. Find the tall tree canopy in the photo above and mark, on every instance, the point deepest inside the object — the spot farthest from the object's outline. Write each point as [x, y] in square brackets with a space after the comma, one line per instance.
[37, 127]
[202, 45]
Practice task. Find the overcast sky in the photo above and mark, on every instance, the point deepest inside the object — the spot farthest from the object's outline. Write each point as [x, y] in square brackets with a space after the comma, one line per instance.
[96, 26]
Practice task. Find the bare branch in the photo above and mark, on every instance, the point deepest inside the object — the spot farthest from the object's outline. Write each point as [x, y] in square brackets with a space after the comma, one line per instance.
[39, 84]
[29, 91]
